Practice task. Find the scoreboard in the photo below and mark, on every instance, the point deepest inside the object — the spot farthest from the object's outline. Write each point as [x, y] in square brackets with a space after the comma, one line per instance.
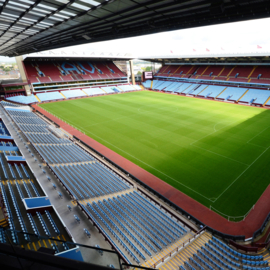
[147, 75]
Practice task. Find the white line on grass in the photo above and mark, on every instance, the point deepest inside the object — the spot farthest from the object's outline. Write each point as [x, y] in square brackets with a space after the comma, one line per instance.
[215, 130]
[221, 155]
[125, 116]
[148, 165]
[142, 107]
[256, 145]
[107, 121]
[257, 135]
[241, 174]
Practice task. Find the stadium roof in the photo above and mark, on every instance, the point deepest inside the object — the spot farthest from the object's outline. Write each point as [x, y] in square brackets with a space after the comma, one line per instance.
[67, 54]
[34, 25]
[247, 58]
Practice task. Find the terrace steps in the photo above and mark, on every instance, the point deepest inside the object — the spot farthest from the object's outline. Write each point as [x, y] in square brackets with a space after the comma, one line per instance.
[189, 70]
[266, 101]
[184, 254]
[202, 90]
[62, 95]
[266, 257]
[103, 90]
[142, 87]
[47, 243]
[250, 74]
[230, 72]
[242, 96]
[120, 88]
[166, 251]
[177, 69]
[37, 98]
[221, 92]
[204, 70]
[151, 85]
[3, 223]
[220, 72]
[184, 89]
[84, 92]
[165, 69]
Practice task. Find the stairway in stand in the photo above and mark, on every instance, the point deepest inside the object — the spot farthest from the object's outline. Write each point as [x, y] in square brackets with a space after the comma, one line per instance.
[165, 252]
[185, 253]
[3, 223]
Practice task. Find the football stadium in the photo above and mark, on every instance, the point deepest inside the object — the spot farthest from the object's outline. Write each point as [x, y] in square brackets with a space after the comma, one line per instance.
[102, 169]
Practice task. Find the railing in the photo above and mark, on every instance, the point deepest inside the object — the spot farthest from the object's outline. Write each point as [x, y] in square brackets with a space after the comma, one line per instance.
[262, 228]
[232, 218]
[216, 82]
[243, 248]
[126, 265]
[110, 255]
[178, 248]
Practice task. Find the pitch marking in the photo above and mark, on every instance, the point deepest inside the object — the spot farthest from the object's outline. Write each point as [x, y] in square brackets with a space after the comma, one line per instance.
[241, 174]
[125, 116]
[220, 155]
[216, 130]
[257, 134]
[148, 165]
[162, 108]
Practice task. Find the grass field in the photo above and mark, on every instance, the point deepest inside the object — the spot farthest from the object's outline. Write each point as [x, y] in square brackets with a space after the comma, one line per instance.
[217, 153]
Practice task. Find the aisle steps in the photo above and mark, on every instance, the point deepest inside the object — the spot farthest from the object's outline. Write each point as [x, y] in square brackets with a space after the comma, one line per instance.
[167, 251]
[184, 254]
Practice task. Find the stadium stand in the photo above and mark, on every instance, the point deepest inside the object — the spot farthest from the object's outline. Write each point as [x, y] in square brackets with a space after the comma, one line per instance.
[263, 72]
[73, 93]
[137, 227]
[230, 94]
[172, 87]
[238, 73]
[147, 84]
[22, 186]
[255, 96]
[23, 99]
[208, 252]
[110, 89]
[93, 91]
[184, 88]
[50, 96]
[64, 71]
[128, 87]
[197, 90]
[211, 91]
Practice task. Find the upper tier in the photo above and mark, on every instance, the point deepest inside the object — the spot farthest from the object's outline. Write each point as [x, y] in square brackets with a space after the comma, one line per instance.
[239, 73]
[70, 70]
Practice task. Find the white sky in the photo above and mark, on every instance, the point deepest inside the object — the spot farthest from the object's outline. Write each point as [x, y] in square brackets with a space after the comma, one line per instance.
[230, 37]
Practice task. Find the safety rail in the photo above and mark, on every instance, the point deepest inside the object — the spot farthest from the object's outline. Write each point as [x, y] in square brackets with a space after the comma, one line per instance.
[179, 247]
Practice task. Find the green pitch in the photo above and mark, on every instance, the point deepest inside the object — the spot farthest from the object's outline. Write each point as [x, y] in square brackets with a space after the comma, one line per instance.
[217, 153]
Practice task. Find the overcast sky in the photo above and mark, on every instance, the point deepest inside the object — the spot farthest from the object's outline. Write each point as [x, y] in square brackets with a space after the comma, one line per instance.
[231, 37]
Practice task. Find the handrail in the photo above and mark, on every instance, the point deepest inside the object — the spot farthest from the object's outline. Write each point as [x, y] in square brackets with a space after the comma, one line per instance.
[178, 248]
